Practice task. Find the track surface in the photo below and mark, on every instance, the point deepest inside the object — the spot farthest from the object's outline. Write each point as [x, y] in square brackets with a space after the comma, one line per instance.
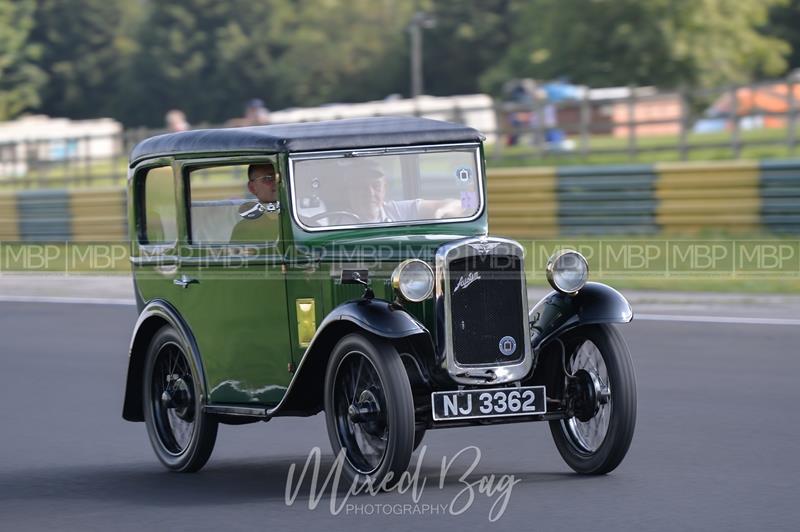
[715, 448]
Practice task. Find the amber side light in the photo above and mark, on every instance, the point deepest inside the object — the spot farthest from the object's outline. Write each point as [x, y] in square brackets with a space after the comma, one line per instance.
[306, 321]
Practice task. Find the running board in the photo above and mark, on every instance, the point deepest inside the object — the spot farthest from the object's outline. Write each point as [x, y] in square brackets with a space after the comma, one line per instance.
[237, 411]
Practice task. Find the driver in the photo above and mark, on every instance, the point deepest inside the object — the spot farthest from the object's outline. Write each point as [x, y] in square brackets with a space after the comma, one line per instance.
[368, 202]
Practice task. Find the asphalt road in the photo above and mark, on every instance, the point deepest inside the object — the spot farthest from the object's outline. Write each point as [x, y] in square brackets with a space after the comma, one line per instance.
[716, 445]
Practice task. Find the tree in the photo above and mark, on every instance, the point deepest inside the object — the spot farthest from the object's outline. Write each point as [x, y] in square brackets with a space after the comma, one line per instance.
[208, 57]
[177, 65]
[661, 42]
[469, 37]
[344, 50]
[20, 78]
[784, 23]
[83, 52]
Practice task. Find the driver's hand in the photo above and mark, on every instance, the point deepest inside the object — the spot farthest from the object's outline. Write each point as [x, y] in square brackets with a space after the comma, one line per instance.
[451, 209]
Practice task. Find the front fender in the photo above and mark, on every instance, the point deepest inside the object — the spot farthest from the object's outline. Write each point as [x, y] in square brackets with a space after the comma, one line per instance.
[594, 303]
[376, 316]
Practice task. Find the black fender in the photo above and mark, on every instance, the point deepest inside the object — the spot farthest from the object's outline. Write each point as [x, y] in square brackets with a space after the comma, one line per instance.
[155, 315]
[556, 312]
[304, 395]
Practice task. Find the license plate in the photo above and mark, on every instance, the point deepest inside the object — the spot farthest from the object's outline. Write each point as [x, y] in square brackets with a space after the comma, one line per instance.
[494, 402]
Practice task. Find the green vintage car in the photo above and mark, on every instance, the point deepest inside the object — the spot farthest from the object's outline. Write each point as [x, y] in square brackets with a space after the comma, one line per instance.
[347, 267]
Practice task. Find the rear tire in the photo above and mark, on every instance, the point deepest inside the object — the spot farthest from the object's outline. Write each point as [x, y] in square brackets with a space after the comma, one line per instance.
[181, 434]
[369, 409]
[598, 445]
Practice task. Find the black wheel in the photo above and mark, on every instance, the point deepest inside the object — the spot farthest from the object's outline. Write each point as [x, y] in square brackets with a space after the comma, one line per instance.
[597, 438]
[369, 409]
[180, 433]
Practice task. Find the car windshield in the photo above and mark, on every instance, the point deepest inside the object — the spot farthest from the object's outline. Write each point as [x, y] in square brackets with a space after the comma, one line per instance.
[386, 187]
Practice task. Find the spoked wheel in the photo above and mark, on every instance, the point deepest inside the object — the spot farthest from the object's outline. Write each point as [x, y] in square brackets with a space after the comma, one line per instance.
[180, 433]
[369, 409]
[602, 386]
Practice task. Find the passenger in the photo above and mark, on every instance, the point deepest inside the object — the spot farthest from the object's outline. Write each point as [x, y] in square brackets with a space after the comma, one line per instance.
[263, 225]
[261, 182]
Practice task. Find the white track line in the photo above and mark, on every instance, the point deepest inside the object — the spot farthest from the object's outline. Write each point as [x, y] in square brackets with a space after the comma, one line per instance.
[69, 300]
[716, 319]
[645, 317]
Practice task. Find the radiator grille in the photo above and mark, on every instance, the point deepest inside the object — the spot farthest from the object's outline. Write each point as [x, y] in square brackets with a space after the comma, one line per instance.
[486, 308]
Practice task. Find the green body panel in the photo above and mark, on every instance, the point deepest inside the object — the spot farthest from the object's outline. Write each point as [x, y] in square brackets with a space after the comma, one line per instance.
[242, 311]
[239, 319]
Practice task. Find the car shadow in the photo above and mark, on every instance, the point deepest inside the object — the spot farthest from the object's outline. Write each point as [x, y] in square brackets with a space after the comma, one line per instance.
[220, 482]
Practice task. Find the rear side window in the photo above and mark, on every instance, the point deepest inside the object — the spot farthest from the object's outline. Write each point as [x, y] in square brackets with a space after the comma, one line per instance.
[159, 217]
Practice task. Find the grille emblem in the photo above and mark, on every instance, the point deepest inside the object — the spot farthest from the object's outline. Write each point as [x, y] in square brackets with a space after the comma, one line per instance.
[466, 280]
[508, 345]
[484, 247]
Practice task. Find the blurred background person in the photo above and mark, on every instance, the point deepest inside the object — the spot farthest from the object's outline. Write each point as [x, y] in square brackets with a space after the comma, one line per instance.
[255, 114]
[175, 120]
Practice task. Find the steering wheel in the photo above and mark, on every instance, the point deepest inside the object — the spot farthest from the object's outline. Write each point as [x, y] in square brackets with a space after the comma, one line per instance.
[317, 217]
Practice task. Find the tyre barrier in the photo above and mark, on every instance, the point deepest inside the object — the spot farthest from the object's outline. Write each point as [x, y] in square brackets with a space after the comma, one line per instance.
[780, 196]
[540, 202]
[523, 202]
[44, 216]
[606, 200]
[665, 198]
[696, 196]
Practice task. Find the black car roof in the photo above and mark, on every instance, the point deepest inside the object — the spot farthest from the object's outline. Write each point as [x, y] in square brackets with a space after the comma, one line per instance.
[308, 136]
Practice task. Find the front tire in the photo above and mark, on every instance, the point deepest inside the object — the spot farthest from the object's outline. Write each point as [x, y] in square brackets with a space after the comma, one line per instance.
[597, 445]
[369, 409]
[181, 434]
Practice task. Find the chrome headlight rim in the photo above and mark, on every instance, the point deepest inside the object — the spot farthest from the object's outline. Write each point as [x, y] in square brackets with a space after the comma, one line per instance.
[398, 287]
[551, 271]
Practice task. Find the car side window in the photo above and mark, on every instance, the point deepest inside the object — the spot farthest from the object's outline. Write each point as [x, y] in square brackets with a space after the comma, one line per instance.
[225, 208]
[159, 216]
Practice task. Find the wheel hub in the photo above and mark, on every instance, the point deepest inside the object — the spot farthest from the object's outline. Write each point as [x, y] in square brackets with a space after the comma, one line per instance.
[367, 413]
[178, 396]
[588, 394]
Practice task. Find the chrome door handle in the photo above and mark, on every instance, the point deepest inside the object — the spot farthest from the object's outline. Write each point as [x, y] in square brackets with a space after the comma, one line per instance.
[184, 281]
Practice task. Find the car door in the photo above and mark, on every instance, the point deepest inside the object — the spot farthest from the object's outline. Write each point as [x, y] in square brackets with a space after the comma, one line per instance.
[233, 293]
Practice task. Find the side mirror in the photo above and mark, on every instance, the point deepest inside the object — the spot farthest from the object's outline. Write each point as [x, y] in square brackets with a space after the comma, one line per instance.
[251, 210]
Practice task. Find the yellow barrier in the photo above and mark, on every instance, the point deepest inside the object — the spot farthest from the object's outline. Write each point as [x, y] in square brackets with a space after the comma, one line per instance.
[696, 196]
[98, 215]
[9, 225]
[523, 202]
[218, 191]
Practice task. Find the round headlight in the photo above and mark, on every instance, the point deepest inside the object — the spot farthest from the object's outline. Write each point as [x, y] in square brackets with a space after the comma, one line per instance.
[567, 271]
[413, 280]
